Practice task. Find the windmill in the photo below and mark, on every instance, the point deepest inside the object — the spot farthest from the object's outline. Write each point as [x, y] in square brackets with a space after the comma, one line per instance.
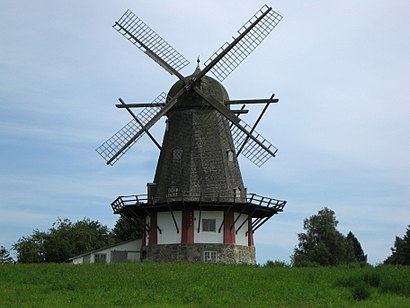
[197, 209]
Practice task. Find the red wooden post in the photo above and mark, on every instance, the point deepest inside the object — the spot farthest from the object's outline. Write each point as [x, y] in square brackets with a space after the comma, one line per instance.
[229, 233]
[187, 236]
[153, 232]
[250, 233]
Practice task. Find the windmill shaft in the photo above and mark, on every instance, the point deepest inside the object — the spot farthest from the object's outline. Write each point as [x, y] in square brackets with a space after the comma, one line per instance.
[231, 45]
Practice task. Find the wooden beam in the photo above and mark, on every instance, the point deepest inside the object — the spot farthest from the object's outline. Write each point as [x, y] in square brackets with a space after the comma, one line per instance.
[138, 105]
[240, 111]
[142, 125]
[251, 101]
[230, 116]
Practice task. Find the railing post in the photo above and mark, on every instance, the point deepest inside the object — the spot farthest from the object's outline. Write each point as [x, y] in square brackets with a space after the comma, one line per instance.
[252, 195]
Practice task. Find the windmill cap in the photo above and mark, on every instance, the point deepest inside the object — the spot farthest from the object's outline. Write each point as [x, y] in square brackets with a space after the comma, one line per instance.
[209, 86]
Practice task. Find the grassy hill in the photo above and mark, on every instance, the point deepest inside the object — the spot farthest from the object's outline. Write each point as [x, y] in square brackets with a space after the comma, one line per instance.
[209, 285]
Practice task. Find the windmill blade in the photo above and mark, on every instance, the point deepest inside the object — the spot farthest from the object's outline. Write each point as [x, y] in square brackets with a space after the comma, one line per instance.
[250, 146]
[256, 148]
[242, 146]
[146, 39]
[255, 30]
[150, 121]
[111, 147]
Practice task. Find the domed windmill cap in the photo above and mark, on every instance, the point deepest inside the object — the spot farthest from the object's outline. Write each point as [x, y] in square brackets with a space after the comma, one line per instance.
[208, 85]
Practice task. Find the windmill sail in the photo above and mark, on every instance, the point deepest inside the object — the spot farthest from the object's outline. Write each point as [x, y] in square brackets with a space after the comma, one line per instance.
[146, 39]
[252, 150]
[114, 144]
[250, 36]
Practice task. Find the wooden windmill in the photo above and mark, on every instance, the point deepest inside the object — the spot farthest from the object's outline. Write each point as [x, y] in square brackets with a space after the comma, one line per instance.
[197, 208]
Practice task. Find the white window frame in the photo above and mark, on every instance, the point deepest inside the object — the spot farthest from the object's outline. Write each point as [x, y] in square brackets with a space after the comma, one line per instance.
[237, 193]
[210, 256]
[206, 227]
[229, 155]
[173, 192]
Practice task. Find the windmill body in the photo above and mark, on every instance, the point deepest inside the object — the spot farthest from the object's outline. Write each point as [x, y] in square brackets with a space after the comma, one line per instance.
[197, 208]
[197, 155]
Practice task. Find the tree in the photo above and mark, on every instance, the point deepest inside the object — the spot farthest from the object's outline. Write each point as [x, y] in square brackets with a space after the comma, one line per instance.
[401, 250]
[63, 241]
[126, 230]
[5, 257]
[69, 239]
[322, 244]
[357, 248]
[30, 249]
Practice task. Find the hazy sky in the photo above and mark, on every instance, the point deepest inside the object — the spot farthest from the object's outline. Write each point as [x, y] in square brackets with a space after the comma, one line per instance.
[340, 69]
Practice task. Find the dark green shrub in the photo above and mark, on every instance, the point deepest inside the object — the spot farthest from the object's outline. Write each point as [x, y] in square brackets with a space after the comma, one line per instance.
[372, 278]
[395, 279]
[306, 264]
[276, 263]
[361, 291]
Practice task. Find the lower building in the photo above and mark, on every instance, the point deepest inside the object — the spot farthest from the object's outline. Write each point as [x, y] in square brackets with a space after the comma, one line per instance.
[120, 252]
[190, 229]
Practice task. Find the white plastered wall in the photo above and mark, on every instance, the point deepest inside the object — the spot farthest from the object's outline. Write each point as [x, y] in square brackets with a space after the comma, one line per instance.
[241, 238]
[165, 222]
[208, 237]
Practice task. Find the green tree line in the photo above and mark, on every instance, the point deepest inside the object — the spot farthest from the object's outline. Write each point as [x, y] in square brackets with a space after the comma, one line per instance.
[66, 239]
[321, 243]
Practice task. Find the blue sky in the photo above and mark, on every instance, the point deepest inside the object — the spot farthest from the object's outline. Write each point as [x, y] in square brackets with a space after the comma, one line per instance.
[340, 69]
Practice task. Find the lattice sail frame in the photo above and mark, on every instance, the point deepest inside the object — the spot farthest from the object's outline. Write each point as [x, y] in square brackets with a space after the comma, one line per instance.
[251, 150]
[246, 45]
[129, 130]
[146, 39]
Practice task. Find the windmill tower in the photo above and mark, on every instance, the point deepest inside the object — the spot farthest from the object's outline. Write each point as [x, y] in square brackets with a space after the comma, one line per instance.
[197, 208]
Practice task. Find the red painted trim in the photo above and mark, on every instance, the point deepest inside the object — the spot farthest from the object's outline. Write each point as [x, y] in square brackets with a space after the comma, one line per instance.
[229, 233]
[187, 231]
[250, 234]
[153, 232]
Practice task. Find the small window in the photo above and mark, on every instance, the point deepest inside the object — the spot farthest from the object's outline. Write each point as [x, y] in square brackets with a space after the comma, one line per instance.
[100, 258]
[237, 192]
[210, 256]
[177, 154]
[172, 191]
[229, 154]
[209, 225]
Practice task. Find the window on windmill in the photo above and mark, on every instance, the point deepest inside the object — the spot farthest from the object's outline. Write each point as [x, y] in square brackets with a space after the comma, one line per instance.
[172, 191]
[208, 225]
[229, 154]
[210, 256]
[177, 154]
[100, 258]
[237, 192]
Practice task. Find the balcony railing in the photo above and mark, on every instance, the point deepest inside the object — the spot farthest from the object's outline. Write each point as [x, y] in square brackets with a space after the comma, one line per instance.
[143, 199]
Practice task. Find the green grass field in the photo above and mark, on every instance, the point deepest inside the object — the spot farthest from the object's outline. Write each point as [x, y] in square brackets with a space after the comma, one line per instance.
[209, 285]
